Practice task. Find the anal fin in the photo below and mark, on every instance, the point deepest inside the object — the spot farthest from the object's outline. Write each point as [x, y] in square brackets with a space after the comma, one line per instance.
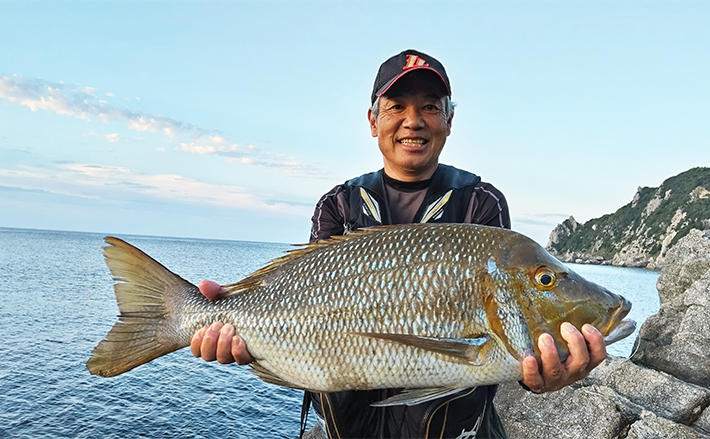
[411, 397]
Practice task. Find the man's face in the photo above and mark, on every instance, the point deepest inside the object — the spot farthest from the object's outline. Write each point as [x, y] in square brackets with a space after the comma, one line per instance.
[411, 129]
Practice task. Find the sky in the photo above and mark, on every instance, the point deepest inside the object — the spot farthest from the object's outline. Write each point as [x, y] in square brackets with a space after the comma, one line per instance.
[229, 119]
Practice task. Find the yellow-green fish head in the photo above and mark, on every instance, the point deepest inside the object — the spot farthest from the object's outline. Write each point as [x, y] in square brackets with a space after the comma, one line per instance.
[550, 293]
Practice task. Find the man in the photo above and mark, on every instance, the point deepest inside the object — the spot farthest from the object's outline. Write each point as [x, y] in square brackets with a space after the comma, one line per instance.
[411, 117]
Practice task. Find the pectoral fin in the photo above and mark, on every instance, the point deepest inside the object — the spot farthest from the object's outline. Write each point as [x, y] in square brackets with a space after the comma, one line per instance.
[411, 397]
[460, 350]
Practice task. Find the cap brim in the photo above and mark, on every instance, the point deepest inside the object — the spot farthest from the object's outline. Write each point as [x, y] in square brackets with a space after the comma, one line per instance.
[388, 85]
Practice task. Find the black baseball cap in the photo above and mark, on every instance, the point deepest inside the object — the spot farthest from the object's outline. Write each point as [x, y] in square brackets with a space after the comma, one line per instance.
[403, 63]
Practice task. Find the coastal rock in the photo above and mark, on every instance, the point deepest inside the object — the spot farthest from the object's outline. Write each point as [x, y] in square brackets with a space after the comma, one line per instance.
[315, 433]
[562, 231]
[568, 413]
[650, 426]
[617, 395]
[677, 339]
[633, 255]
[687, 262]
[703, 423]
[649, 389]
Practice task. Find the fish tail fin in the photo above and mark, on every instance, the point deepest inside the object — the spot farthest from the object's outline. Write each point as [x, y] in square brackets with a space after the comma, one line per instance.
[149, 297]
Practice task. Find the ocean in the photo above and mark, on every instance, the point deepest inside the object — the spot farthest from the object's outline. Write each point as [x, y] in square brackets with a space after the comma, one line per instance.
[57, 303]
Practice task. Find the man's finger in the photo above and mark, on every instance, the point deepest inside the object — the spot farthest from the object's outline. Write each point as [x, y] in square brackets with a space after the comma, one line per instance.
[208, 350]
[239, 351]
[196, 342]
[531, 375]
[224, 344]
[211, 290]
[552, 370]
[595, 343]
[578, 352]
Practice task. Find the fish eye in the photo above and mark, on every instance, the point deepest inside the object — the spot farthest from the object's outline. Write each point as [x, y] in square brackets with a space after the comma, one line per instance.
[545, 278]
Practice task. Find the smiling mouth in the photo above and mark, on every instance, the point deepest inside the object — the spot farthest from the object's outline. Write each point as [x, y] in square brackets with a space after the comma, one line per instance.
[413, 142]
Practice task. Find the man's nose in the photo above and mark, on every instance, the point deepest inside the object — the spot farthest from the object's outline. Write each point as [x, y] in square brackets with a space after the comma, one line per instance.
[413, 118]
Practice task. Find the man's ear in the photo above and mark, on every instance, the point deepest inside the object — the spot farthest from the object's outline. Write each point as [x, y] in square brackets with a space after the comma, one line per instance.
[448, 124]
[373, 122]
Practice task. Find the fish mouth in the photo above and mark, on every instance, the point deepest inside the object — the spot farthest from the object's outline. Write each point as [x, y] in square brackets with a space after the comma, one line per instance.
[617, 328]
[622, 330]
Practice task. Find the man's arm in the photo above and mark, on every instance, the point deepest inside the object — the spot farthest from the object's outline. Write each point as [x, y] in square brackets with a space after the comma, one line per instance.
[329, 215]
[488, 207]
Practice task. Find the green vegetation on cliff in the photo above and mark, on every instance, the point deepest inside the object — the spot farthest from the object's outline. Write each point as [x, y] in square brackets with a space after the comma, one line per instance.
[644, 229]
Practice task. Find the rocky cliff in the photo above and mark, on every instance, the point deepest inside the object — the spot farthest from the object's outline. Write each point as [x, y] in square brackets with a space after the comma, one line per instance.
[640, 233]
[663, 392]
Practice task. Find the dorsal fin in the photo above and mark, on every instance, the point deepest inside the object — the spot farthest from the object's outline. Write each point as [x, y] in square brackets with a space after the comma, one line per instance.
[259, 277]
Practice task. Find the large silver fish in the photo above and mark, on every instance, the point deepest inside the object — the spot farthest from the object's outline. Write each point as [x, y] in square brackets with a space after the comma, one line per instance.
[436, 307]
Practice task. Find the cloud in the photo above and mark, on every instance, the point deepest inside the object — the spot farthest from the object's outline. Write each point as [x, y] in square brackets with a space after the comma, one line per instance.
[250, 155]
[199, 149]
[112, 137]
[549, 220]
[123, 184]
[82, 103]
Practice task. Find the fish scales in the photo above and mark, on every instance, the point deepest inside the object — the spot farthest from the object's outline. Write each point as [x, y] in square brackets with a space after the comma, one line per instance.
[377, 308]
[418, 306]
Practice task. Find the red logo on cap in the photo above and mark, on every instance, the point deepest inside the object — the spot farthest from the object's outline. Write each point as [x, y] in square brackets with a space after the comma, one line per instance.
[414, 61]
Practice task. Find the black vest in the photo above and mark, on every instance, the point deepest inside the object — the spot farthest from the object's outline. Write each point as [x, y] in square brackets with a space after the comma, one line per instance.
[446, 200]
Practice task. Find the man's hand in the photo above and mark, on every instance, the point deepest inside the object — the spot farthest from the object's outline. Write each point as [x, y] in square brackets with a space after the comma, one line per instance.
[218, 342]
[586, 351]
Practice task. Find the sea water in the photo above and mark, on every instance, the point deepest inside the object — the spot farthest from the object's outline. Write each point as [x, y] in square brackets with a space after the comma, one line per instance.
[57, 303]
[635, 284]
